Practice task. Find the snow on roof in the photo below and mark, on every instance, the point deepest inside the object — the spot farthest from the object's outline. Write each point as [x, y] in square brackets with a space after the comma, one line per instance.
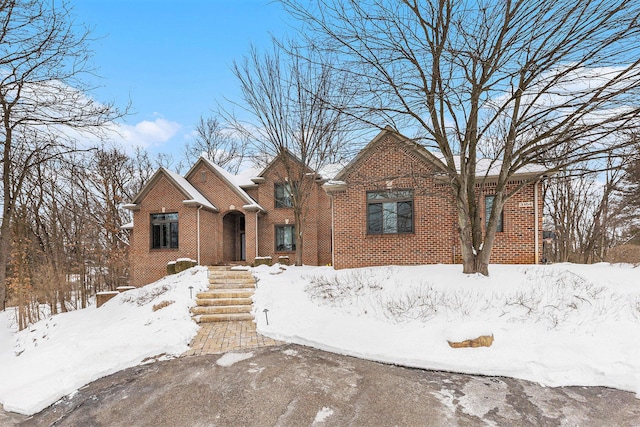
[237, 182]
[491, 167]
[243, 178]
[331, 170]
[127, 226]
[195, 195]
[484, 168]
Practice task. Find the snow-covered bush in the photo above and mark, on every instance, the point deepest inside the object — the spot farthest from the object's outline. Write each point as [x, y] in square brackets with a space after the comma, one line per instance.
[338, 288]
[549, 297]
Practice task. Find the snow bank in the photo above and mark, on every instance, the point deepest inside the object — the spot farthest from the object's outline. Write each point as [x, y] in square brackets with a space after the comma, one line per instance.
[60, 354]
[557, 325]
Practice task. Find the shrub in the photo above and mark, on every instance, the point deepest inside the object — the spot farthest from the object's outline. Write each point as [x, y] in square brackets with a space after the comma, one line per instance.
[337, 288]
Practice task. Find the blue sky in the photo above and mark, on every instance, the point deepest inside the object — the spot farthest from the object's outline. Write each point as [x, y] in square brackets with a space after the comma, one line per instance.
[172, 59]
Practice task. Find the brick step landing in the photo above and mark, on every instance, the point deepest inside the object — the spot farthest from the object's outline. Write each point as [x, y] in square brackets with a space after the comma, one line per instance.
[223, 317]
[221, 309]
[228, 298]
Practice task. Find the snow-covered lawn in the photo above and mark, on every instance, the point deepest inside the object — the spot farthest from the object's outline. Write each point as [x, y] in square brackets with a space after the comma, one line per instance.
[557, 325]
[58, 355]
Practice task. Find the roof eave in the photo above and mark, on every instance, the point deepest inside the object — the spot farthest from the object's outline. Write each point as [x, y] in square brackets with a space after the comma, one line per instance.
[198, 204]
[254, 208]
[334, 186]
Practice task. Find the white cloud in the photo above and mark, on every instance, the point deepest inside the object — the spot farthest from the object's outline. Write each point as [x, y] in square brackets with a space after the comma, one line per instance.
[145, 133]
[43, 102]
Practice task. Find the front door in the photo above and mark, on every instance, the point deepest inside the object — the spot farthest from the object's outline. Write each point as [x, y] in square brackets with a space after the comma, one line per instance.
[233, 237]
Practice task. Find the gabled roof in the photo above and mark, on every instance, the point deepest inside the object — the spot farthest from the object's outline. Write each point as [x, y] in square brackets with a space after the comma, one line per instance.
[410, 144]
[192, 196]
[290, 156]
[235, 182]
[486, 168]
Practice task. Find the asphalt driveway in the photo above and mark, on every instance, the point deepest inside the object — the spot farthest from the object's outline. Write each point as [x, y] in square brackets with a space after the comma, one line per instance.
[298, 386]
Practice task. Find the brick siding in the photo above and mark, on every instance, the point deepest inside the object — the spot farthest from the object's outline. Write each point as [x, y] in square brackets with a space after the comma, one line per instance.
[391, 164]
[148, 265]
[217, 243]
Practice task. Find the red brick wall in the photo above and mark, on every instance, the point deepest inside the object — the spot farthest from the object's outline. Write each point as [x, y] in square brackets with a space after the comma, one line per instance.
[209, 233]
[148, 265]
[515, 245]
[317, 226]
[435, 236]
[323, 212]
[218, 192]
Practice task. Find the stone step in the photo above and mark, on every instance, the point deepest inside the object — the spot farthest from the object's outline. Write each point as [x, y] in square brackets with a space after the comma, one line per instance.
[229, 317]
[230, 274]
[222, 309]
[228, 298]
[223, 280]
[232, 280]
[223, 301]
[228, 270]
[222, 286]
[225, 293]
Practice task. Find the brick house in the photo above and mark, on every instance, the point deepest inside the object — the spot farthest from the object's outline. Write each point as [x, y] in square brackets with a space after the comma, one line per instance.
[385, 207]
[214, 217]
[389, 208]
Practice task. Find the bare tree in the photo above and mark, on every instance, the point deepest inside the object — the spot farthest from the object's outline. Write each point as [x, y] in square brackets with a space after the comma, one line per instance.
[222, 146]
[67, 241]
[631, 197]
[585, 211]
[632, 182]
[107, 184]
[526, 82]
[43, 56]
[286, 95]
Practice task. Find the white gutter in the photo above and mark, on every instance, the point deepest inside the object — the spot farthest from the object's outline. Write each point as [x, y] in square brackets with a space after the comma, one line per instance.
[536, 219]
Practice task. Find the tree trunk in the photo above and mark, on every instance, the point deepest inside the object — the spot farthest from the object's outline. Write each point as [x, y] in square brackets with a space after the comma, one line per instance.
[298, 232]
[473, 261]
[4, 260]
[475, 245]
[470, 236]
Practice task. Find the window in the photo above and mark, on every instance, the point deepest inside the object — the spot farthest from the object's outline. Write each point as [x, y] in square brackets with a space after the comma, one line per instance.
[164, 231]
[390, 212]
[283, 195]
[488, 205]
[285, 238]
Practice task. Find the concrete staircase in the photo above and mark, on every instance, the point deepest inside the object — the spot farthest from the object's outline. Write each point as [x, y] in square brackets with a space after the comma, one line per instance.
[228, 298]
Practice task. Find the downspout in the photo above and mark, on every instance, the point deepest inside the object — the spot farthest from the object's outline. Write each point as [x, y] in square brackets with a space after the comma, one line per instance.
[198, 232]
[536, 219]
[256, 234]
[333, 237]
